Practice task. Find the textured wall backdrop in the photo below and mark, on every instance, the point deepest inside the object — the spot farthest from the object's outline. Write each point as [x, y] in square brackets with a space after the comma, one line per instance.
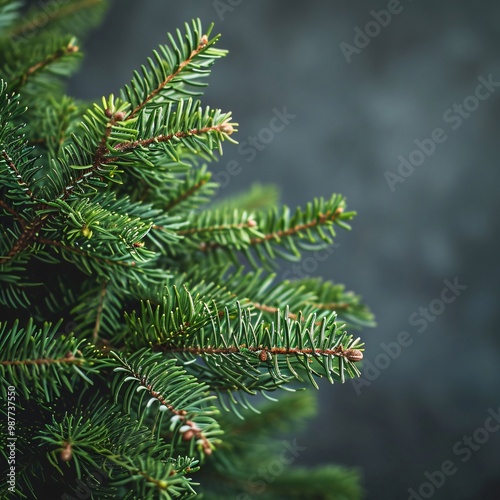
[398, 110]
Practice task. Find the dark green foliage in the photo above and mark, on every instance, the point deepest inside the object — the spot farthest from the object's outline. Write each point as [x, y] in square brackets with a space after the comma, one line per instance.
[140, 319]
[259, 455]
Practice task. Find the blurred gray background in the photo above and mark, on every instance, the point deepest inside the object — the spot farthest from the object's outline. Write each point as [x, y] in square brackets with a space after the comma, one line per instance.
[353, 120]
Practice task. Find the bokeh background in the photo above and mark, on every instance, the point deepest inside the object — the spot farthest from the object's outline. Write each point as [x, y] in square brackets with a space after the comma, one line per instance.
[353, 120]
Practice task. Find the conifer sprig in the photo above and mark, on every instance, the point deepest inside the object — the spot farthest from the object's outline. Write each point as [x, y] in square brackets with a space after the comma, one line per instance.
[132, 329]
[41, 362]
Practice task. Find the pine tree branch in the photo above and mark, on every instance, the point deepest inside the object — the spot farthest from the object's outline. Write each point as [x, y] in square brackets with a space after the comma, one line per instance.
[331, 306]
[24, 240]
[328, 296]
[353, 355]
[157, 376]
[258, 197]
[203, 43]
[40, 66]
[278, 235]
[185, 195]
[300, 227]
[9, 12]
[69, 359]
[111, 197]
[18, 176]
[98, 161]
[129, 146]
[38, 22]
[40, 361]
[102, 150]
[194, 432]
[79, 251]
[224, 227]
[10, 210]
[273, 310]
[102, 295]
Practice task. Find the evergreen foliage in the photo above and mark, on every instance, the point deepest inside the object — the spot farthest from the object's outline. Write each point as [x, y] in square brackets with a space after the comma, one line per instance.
[139, 320]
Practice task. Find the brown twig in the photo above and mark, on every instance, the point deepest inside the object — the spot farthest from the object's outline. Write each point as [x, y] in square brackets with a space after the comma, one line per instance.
[350, 354]
[102, 295]
[184, 196]
[68, 359]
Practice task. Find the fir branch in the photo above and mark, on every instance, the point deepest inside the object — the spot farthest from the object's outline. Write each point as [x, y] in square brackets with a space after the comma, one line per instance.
[268, 234]
[9, 12]
[24, 240]
[183, 196]
[173, 69]
[331, 306]
[79, 251]
[330, 296]
[41, 361]
[69, 358]
[11, 211]
[102, 150]
[111, 197]
[280, 234]
[34, 22]
[17, 175]
[202, 45]
[259, 197]
[264, 352]
[225, 128]
[40, 66]
[169, 385]
[193, 431]
[106, 440]
[272, 310]
[237, 344]
[249, 223]
[97, 325]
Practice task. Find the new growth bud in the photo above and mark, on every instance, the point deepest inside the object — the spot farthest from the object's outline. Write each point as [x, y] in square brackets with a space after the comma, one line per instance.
[119, 116]
[353, 355]
[66, 453]
[227, 128]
